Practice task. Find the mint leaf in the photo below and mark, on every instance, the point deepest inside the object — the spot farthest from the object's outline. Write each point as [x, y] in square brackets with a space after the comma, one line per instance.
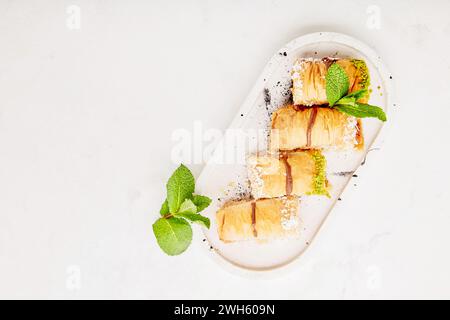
[174, 235]
[196, 218]
[362, 110]
[173, 231]
[358, 94]
[201, 202]
[180, 186]
[337, 83]
[347, 100]
[164, 208]
[188, 207]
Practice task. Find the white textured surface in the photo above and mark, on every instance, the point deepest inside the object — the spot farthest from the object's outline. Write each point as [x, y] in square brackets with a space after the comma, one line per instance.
[86, 118]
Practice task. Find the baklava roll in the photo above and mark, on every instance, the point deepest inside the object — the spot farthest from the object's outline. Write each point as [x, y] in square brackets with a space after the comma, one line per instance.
[291, 173]
[263, 219]
[309, 83]
[295, 127]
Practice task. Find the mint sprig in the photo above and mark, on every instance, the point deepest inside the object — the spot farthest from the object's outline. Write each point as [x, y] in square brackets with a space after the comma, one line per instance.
[362, 110]
[164, 208]
[180, 186]
[337, 85]
[197, 218]
[174, 235]
[188, 207]
[172, 230]
[201, 202]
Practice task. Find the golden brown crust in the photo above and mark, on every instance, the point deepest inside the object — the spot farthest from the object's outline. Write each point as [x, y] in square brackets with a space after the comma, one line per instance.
[269, 177]
[303, 172]
[331, 129]
[235, 221]
[273, 218]
[309, 82]
[359, 136]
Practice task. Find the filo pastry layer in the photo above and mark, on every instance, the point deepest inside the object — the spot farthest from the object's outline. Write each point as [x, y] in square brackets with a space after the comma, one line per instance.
[291, 173]
[263, 219]
[295, 127]
[309, 79]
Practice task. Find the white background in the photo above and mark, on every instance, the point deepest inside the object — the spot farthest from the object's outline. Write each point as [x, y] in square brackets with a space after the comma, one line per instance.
[86, 118]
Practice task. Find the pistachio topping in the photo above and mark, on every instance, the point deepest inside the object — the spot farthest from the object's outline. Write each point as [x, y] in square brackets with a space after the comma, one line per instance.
[320, 178]
[361, 67]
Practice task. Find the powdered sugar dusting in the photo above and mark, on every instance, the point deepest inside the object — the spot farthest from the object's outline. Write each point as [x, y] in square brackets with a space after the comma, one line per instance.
[289, 213]
[255, 177]
[350, 131]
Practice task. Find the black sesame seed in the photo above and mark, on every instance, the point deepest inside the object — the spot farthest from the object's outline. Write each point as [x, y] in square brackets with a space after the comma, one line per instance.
[355, 176]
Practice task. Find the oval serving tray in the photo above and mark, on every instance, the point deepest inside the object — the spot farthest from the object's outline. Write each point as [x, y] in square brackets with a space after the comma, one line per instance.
[224, 176]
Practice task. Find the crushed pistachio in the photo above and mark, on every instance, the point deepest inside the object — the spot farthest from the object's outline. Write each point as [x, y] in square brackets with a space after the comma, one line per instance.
[320, 179]
[363, 71]
[361, 67]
